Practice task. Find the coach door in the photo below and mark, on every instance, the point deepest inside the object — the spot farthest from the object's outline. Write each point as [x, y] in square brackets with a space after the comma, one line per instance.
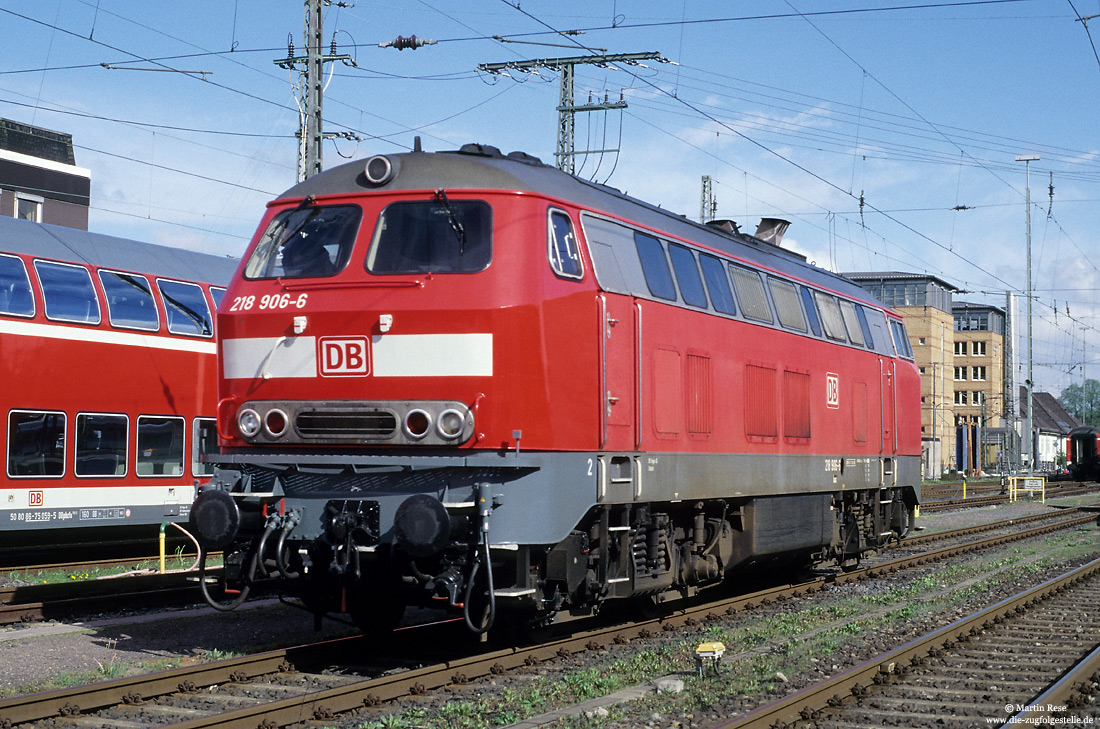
[619, 318]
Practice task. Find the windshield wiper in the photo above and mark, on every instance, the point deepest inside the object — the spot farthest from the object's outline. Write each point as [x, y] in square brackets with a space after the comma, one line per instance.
[456, 226]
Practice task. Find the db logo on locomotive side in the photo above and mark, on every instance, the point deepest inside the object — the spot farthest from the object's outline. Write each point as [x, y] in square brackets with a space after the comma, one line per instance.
[832, 390]
[343, 356]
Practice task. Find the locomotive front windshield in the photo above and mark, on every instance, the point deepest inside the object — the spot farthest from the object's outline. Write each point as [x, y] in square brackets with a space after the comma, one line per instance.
[306, 242]
[438, 236]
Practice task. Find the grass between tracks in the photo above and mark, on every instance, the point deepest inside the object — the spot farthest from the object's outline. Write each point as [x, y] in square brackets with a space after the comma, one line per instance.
[176, 561]
[811, 639]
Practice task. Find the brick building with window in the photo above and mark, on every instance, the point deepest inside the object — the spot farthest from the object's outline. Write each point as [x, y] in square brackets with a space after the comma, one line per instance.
[979, 376]
[925, 302]
[39, 179]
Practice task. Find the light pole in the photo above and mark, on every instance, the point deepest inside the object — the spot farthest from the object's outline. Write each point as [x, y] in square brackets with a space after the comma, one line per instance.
[1027, 159]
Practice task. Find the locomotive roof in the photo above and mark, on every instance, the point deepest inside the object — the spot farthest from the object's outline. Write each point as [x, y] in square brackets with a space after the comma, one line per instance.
[481, 167]
[81, 246]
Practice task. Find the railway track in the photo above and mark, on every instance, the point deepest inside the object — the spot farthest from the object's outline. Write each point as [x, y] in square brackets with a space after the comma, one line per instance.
[285, 687]
[1030, 656]
[32, 603]
[942, 500]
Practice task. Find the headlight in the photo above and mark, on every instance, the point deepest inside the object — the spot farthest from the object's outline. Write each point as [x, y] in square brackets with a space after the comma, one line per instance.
[451, 424]
[248, 422]
[275, 422]
[417, 423]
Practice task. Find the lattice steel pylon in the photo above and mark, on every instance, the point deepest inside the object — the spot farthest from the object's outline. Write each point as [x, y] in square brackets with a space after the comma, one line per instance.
[311, 88]
[566, 152]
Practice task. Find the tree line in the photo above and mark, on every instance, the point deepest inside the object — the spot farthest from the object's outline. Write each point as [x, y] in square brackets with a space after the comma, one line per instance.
[1083, 401]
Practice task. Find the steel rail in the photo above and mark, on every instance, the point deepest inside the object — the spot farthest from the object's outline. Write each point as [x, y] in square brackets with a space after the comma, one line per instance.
[370, 692]
[808, 702]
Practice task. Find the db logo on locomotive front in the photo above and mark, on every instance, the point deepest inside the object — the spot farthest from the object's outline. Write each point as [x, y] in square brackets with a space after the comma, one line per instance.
[343, 356]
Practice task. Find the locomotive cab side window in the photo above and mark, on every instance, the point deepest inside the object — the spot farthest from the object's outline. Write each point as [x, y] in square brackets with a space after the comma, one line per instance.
[306, 242]
[878, 331]
[655, 266]
[15, 288]
[687, 276]
[901, 339]
[101, 444]
[36, 444]
[188, 312]
[565, 256]
[68, 292]
[159, 446]
[718, 284]
[432, 236]
[129, 301]
[750, 292]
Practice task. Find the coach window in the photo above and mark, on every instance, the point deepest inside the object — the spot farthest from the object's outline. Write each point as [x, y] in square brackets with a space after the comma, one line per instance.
[687, 276]
[101, 444]
[217, 293]
[831, 318]
[440, 235]
[129, 301]
[565, 256]
[750, 292]
[851, 321]
[811, 310]
[159, 446]
[655, 266]
[36, 443]
[188, 312]
[785, 296]
[15, 288]
[68, 292]
[204, 442]
[305, 242]
[718, 284]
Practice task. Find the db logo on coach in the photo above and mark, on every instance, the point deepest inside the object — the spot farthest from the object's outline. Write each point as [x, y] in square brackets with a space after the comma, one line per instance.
[35, 498]
[343, 356]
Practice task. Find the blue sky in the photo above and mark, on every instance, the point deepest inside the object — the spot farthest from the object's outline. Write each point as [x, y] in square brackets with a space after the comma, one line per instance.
[794, 109]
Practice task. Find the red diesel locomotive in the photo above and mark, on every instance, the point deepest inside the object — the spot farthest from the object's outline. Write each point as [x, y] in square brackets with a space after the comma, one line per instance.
[472, 380]
[108, 365]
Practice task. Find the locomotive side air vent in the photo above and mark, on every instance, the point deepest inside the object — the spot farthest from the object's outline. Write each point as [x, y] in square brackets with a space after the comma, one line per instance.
[346, 423]
[380, 169]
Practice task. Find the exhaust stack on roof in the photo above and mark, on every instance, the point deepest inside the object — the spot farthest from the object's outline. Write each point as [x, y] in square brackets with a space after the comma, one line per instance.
[771, 230]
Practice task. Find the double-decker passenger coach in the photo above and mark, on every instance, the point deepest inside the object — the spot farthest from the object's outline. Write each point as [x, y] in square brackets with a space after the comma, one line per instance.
[471, 380]
[107, 359]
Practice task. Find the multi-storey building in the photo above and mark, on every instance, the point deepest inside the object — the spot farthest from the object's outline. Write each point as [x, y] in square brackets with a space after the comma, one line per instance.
[39, 179]
[980, 401]
[925, 302]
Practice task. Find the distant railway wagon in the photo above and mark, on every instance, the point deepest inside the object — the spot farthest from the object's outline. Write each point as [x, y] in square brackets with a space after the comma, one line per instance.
[471, 380]
[1084, 453]
[107, 358]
